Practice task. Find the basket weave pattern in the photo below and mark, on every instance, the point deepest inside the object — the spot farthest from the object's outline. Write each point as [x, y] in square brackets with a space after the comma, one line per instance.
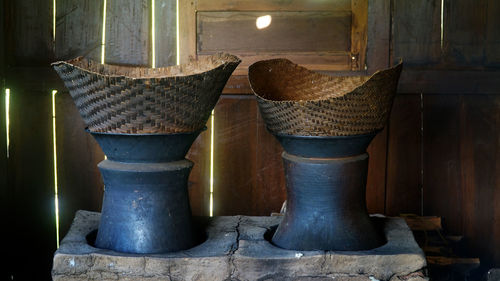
[296, 101]
[138, 100]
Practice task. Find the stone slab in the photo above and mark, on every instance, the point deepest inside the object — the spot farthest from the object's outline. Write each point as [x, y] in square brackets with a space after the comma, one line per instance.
[493, 274]
[236, 249]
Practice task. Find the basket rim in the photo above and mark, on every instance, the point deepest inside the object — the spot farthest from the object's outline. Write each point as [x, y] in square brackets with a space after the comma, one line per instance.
[375, 132]
[223, 59]
[145, 134]
[303, 102]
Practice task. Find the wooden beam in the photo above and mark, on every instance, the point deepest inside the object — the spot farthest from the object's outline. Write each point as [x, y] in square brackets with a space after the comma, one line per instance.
[272, 5]
[429, 81]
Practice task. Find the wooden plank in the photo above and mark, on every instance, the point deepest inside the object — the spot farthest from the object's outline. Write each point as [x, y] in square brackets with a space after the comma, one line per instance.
[493, 34]
[452, 82]
[128, 32]
[199, 179]
[79, 180]
[288, 32]
[32, 183]
[272, 5]
[376, 181]
[165, 33]
[270, 192]
[79, 29]
[447, 261]
[29, 34]
[427, 223]
[465, 31]
[480, 174]
[234, 155]
[441, 138]
[417, 34]
[359, 33]
[403, 191]
[379, 34]
[187, 31]
[330, 61]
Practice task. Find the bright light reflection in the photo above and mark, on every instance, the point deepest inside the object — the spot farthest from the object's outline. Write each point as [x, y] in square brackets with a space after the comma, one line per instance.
[7, 119]
[103, 40]
[212, 129]
[153, 52]
[263, 21]
[178, 48]
[56, 193]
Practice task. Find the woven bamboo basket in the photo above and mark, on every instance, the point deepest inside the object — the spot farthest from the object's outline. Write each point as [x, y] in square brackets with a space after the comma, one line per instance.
[296, 101]
[140, 100]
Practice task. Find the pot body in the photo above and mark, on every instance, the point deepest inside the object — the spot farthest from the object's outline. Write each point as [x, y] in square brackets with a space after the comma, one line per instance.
[146, 207]
[326, 205]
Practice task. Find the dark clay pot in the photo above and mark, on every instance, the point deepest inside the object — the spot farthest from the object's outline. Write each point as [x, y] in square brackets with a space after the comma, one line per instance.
[326, 182]
[146, 205]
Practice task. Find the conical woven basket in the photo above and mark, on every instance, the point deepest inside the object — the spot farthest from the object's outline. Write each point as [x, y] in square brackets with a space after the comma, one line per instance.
[139, 100]
[296, 101]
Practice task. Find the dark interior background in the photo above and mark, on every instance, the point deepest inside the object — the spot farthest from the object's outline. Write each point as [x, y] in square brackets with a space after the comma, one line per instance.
[439, 154]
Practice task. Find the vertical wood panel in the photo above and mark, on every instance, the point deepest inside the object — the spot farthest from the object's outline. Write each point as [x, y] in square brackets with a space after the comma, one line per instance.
[79, 180]
[375, 185]
[79, 29]
[480, 174]
[234, 155]
[379, 34]
[30, 33]
[404, 157]
[32, 183]
[199, 179]
[493, 34]
[442, 194]
[2, 41]
[5, 190]
[187, 30]
[269, 193]
[165, 33]
[359, 33]
[465, 31]
[29, 42]
[127, 32]
[417, 31]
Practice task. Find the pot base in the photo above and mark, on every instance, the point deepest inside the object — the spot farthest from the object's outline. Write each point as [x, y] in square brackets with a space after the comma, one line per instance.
[146, 207]
[326, 207]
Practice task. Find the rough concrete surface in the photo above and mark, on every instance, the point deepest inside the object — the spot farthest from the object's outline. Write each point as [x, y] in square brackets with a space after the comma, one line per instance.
[236, 249]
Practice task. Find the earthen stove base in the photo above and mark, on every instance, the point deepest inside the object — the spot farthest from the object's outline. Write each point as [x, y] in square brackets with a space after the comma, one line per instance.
[236, 249]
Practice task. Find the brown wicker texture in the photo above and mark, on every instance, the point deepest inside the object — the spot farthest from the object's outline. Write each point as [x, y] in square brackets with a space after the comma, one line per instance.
[296, 101]
[140, 100]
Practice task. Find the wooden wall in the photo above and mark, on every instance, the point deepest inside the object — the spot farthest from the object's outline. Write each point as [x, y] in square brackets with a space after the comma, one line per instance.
[450, 84]
[437, 156]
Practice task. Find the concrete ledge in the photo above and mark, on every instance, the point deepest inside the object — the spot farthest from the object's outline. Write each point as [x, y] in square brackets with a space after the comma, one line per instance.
[236, 250]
